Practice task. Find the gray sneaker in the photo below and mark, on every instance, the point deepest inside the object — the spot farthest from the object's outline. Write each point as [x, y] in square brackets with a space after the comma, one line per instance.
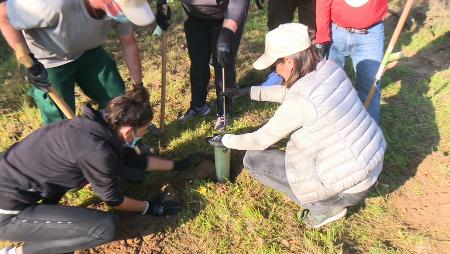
[195, 111]
[221, 122]
[317, 221]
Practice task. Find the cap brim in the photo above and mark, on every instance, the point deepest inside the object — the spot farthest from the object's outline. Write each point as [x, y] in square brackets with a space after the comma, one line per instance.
[141, 15]
[264, 61]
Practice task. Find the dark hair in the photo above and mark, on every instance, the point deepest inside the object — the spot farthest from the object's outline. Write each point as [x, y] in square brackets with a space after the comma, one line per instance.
[305, 62]
[132, 109]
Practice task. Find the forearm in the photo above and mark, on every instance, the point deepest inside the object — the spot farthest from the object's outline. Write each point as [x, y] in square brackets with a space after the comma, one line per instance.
[158, 164]
[237, 11]
[11, 35]
[231, 24]
[323, 20]
[131, 205]
[268, 93]
[291, 115]
[130, 52]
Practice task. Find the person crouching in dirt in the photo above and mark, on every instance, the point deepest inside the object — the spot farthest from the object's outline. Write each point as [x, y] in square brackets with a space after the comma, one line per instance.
[336, 149]
[66, 155]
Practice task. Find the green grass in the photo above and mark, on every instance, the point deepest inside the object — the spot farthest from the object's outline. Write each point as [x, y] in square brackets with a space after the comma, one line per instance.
[243, 216]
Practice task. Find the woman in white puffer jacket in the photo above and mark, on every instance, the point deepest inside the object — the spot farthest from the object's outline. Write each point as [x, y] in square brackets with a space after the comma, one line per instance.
[336, 149]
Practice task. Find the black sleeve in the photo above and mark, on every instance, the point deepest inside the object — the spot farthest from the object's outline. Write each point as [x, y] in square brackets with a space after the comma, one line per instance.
[100, 168]
[236, 10]
[134, 160]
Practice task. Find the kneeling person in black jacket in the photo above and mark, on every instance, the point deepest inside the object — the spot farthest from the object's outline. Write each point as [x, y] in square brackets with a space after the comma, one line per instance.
[66, 155]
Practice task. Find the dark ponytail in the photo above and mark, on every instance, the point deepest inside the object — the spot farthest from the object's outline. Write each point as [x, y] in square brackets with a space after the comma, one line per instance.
[132, 109]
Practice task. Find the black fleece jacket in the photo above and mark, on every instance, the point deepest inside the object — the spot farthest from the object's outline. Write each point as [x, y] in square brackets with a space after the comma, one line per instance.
[60, 157]
[217, 9]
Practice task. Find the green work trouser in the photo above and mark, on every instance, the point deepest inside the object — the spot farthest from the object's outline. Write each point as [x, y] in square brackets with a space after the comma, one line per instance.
[96, 74]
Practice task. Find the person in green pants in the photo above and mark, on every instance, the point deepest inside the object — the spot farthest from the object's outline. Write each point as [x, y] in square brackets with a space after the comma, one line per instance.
[65, 41]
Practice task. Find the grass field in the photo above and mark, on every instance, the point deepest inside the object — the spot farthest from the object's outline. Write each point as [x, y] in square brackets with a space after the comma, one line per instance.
[242, 216]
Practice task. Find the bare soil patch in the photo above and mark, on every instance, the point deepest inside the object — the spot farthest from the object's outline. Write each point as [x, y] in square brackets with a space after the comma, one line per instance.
[423, 202]
[145, 234]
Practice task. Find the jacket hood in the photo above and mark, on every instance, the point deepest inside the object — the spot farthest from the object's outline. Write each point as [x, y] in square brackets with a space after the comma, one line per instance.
[93, 122]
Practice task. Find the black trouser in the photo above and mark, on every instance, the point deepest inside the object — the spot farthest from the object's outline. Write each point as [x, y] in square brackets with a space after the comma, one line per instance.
[51, 229]
[201, 38]
[282, 11]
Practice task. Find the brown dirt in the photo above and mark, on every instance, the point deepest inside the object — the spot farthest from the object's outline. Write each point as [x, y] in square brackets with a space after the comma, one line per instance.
[423, 202]
[145, 234]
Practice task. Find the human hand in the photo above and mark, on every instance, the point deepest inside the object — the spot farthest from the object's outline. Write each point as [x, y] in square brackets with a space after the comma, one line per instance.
[236, 92]
[37, 75]
[162, 205]
[323, 49]
[163, 14]
[224, 46]
[183, 164]
[215, 141]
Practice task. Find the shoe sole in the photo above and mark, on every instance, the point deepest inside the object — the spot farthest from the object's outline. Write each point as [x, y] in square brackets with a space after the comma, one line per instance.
[331, 219]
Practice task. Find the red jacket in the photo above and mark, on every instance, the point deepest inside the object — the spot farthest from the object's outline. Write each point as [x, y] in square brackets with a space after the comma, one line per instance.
[344, 15]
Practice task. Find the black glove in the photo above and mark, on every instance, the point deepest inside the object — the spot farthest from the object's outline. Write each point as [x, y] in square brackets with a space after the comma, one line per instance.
[163, 14]
[183, 164]
[37, 75]
[243, 91]
[236, 92]
[323, 50]
[224, 46]
[162, 206]
[215, 141]
[259, 4]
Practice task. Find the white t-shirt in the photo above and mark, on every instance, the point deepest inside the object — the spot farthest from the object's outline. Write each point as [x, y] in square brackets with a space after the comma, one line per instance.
[60, 31]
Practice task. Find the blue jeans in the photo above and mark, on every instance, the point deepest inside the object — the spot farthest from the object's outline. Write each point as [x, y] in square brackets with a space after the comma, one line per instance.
[366, 52]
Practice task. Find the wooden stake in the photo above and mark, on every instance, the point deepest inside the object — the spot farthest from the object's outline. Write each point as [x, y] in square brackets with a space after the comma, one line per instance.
[388, 52]
[163, 80]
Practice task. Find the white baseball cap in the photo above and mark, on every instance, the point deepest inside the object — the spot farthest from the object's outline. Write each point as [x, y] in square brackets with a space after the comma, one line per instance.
[356, 3]
[137, 11]
[285, 40]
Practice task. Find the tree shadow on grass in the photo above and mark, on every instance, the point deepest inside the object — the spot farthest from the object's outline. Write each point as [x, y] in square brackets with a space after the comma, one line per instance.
[409, 120]
[408, 116]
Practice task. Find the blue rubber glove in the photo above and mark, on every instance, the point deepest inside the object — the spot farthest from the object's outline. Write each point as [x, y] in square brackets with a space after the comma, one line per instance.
[273, 80]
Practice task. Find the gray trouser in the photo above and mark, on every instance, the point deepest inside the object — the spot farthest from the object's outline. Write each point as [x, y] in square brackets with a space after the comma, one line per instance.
[48, 229]
[268, 168]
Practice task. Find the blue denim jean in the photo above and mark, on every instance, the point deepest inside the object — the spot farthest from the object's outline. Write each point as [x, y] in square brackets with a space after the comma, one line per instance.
[268, 167]
[366, 52]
